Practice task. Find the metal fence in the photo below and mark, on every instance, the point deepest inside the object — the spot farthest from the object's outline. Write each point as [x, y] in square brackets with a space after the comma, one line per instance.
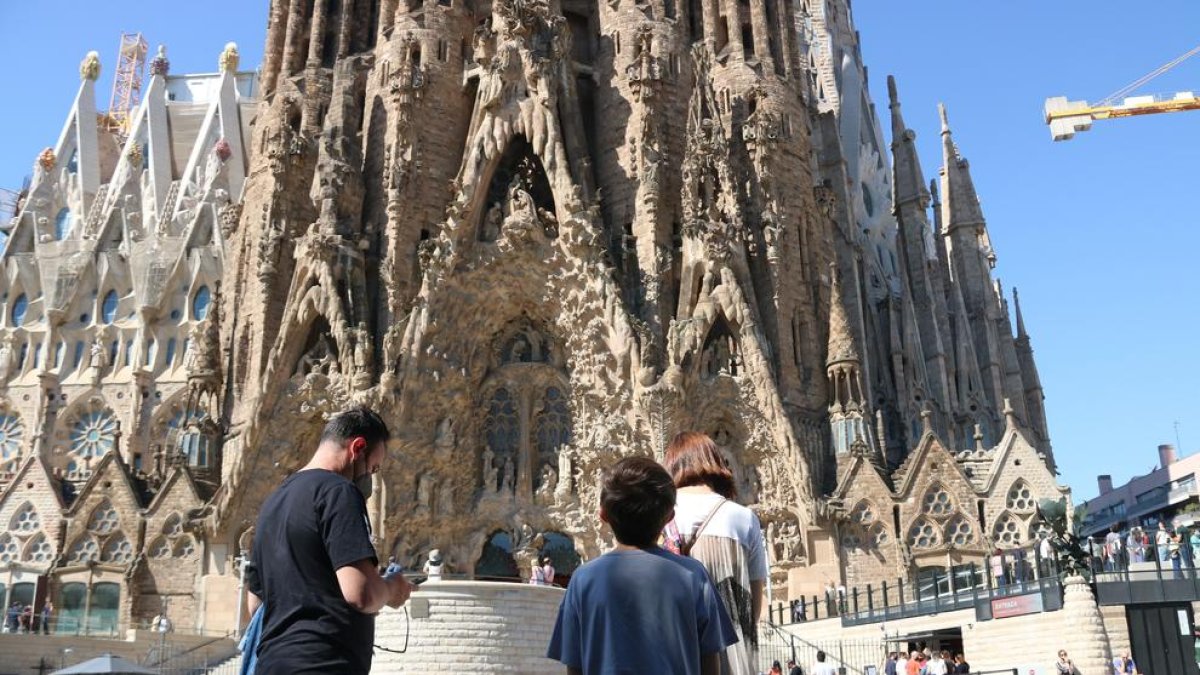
[853, 656]
[1013, 572]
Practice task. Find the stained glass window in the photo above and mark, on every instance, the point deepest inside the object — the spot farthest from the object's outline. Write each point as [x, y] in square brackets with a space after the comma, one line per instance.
[62, 224]
[11, 431]
[200, 303]
[19, 308]
[553, 426]
[108, 310]
[188, 438]
[502, 426]
[94, 433]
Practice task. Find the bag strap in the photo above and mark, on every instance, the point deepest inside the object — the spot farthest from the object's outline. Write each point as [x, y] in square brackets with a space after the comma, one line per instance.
[685, 547]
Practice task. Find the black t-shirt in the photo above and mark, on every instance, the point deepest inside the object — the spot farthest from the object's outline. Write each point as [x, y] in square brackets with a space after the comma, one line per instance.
[314, 524]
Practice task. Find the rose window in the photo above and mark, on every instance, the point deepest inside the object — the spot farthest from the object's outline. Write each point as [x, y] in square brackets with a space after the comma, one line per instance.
[9, 550]
[960, 532]
[923, 535]
[1006, 531]
[39, 550]
[10, 435]
[25, 520]
[94, 434]
[118, 550]
[104, 519]
[1020, 498]
[937, 502]
[83, 550]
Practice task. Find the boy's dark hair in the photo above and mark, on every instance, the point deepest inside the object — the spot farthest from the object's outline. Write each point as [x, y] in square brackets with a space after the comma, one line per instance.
[354, 422]
[820, 656]
[637, 495]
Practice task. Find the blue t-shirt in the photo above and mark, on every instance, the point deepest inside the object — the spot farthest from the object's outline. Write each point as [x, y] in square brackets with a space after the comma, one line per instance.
[643, 611]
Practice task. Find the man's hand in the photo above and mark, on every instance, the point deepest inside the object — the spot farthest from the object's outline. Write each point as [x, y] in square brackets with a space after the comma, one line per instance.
[400, 590]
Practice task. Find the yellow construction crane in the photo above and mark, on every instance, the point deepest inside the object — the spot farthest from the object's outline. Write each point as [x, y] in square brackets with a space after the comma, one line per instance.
[127, 82]
[1066, 118]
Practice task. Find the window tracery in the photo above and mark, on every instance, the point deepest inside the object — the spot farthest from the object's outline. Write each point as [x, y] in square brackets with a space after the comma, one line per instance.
[923, 534]
[94, 432]
[159, 548]
[25, 520]
[83, 550]
[39, 550]
[117, 550]
[1020, 497]
[9, 549]
[937, 502]
[104, 519]
[1006, 531]
[959, 532]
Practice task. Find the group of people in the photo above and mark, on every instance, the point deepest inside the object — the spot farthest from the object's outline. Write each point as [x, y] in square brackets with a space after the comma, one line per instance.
[1174, 547]
[680, 592]
[22, 619]
[925, 661]
[820, 667]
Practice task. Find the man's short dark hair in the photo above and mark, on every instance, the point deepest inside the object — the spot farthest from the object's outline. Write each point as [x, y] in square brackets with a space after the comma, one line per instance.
[637, 495]
[820, 656]
[354, 422]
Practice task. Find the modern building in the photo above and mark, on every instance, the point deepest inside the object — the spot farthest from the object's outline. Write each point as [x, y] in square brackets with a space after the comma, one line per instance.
[538, 235]
[1167, 494]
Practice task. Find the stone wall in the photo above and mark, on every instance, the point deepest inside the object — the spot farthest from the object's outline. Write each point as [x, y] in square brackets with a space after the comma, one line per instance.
[470, 626]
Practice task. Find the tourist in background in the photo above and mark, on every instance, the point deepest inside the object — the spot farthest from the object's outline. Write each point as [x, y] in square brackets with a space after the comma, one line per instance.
[1185, 547]
[1175, 554]
[794, 669]
[935, 665]
[1134, 544]
[902, 663]
[47, 611]
[914, 663]
[1124, 665]
[1064, 665]
[776, 669]
[997, 563]
[889, 666]
[1112, 550]
[1194, 543]
[823, 667]
[961, 667]
[1162, 540]
[722, 534]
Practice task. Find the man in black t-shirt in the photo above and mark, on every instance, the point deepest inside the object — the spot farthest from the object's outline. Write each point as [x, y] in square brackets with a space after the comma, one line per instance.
[316, 567]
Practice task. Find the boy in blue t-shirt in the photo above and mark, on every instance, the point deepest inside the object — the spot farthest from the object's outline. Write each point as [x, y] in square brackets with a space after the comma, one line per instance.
[640, 609]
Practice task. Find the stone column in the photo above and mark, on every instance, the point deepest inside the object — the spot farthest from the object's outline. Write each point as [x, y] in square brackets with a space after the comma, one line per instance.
[1083, 632]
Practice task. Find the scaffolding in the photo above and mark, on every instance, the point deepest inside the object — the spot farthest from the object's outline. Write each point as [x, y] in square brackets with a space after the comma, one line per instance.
[127, 82]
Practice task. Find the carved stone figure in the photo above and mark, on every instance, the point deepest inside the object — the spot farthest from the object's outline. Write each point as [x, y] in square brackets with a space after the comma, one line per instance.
[490, 472]
[510, 476]
[425, 491]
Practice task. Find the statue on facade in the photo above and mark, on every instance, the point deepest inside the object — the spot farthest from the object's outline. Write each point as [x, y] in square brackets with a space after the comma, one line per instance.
[444, 438]
[424, 491]
[490, 472]
[510, 476]
[6, 357]
[566, 474]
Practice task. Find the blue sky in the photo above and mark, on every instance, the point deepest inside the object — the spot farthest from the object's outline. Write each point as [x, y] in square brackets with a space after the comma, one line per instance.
[1100, 233]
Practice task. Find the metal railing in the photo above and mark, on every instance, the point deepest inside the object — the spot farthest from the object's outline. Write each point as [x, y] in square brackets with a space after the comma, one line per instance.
[1151, 576]
[1020, 572]
[851, 657]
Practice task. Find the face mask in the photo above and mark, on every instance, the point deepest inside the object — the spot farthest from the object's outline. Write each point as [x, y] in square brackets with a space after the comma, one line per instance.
[364, 484]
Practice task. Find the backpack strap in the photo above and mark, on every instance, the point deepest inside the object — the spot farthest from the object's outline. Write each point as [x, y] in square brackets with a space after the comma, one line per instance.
[685, 547]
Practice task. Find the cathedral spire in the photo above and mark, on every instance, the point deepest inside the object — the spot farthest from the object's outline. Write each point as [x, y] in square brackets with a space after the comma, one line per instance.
[848, 409]
[1021, 334]
[960, 206]
[908, 182]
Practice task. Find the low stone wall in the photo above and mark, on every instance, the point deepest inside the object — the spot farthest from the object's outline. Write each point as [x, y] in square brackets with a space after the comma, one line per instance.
[470, 626]
[26, 653]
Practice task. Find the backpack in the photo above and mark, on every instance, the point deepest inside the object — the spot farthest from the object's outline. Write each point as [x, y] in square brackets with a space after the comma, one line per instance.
[674, 541]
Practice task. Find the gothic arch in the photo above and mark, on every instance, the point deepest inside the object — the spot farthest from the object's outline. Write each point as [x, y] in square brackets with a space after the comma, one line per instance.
[117, 549]
[10, 549]
[1019, 498]
[924, 534]
[721, 351]
[519, 166]
[83, 549]
[25, 520]
[103, 519]
[937, 501]
[1008, 530]
[960, 531]
[39, 550]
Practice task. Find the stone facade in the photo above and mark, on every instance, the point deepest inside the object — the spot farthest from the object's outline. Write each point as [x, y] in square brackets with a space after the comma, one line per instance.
[538, 235]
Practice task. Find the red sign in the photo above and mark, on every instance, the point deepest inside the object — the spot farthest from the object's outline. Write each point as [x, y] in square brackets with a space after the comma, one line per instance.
[1016, 605]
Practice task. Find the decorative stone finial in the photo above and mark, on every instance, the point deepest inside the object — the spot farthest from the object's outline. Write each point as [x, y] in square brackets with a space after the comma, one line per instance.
[159, 65]
[89, 68]
[135, 156]
[228, 61]
[978, 437]
[47, 160]
[1010, 415]
[945, 119]
[926, 420]
[223, 150]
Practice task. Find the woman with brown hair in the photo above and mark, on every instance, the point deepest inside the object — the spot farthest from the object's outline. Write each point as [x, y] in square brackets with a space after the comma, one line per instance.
[722, 534]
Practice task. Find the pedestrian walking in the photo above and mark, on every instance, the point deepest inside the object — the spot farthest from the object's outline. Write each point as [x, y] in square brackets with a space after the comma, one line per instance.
[47, 612]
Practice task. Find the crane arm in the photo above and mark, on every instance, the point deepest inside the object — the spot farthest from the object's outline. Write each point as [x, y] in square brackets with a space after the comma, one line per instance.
[1066, 118]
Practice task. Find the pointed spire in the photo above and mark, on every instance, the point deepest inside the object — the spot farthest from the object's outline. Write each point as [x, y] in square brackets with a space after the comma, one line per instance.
[1021, 334]
[908, 180]
[841, 346]
[961, 206]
